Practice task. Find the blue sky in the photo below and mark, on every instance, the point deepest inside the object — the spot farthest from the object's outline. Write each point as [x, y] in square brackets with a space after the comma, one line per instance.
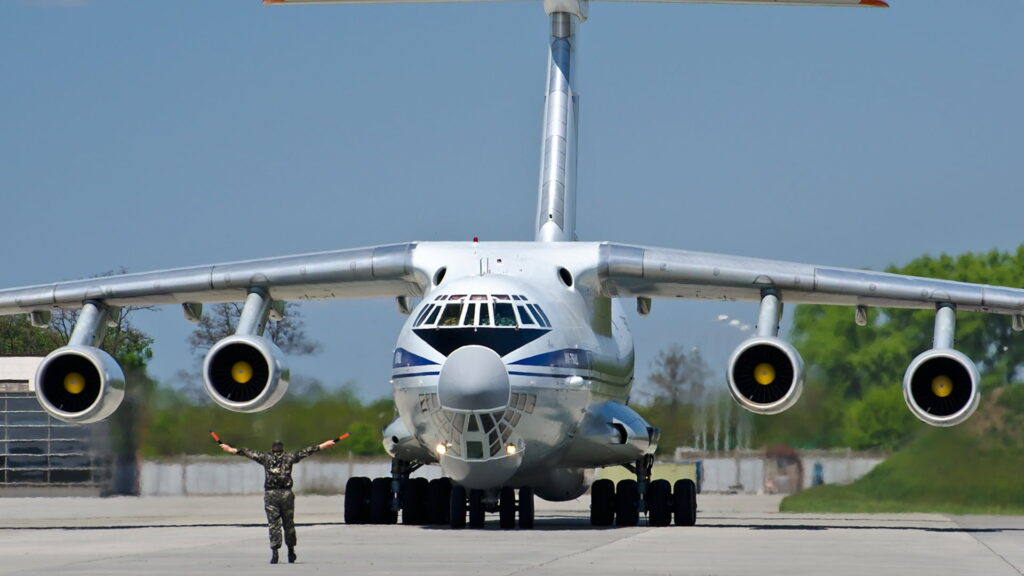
[151, 135]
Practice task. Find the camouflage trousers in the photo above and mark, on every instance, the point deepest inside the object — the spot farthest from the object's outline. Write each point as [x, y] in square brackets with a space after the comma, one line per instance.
[280, 506]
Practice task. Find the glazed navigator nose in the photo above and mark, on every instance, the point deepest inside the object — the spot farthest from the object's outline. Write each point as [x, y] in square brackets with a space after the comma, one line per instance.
[473, 378]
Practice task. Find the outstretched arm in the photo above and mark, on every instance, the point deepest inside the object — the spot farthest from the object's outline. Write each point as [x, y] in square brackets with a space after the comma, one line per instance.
[327, 444]
[224, 446]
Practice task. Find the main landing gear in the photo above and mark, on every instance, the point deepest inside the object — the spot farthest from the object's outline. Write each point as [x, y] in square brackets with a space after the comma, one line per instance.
[622, 504]
[436, 502]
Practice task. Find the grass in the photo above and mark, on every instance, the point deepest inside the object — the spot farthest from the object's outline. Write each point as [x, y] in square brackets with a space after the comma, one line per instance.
[970, 469]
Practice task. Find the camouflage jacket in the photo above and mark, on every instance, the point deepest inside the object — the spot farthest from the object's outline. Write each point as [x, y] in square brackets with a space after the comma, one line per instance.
[278, 467]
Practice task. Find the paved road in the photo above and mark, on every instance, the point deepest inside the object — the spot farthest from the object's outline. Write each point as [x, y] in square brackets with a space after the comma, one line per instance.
[737, 535]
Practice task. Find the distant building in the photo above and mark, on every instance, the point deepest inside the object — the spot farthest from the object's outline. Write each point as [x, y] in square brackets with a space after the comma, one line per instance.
[38, 451]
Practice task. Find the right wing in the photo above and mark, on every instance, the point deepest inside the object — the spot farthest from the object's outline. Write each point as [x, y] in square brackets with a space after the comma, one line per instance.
[378, 271]
[637, 271]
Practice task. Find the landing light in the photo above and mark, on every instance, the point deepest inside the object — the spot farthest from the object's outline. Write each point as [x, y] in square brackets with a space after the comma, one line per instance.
[441, 448]
[511, 449]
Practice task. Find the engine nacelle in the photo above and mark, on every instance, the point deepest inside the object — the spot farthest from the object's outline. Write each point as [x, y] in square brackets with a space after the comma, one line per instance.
[941, 387]
[79, 384]
[766, 375]
[245, 373]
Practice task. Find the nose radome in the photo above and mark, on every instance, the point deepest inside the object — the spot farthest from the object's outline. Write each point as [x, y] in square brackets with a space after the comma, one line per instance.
[473, 378]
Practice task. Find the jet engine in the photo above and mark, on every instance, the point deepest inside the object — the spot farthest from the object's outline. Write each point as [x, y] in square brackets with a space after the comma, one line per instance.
[766, 375]
[941, 387]
[245, 373]
[79, 384]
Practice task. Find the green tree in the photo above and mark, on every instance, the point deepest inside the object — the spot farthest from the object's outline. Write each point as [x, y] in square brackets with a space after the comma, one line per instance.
[846, 362]
[674, 397]
[18, 337]
[221, 321]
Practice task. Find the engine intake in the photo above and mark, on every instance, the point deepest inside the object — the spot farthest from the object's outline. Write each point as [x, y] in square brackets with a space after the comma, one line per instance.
[766, 375]
[941, 387]
[79, 384]
[245, 373]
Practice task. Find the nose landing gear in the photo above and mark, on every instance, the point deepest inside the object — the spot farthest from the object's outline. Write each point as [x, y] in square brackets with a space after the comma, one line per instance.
[478, 502]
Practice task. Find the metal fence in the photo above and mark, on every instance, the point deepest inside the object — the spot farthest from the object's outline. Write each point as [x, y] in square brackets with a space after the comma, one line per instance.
[38, 450]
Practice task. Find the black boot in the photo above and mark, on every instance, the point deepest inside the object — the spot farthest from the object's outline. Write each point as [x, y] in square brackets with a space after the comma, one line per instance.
[273, 557]
[291, 555]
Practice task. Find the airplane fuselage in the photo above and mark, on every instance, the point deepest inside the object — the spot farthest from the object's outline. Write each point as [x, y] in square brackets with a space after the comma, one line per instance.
[498, 367]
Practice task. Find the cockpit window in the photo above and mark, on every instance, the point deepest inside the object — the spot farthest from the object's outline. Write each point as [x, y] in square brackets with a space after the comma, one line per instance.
[539, 315]
[451, 315]
[502, 310]
[524, 316]
[433, 315]
[422, 315]
[504, 315]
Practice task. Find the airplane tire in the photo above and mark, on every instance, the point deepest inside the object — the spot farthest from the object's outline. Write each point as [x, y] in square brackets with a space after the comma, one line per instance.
[457, 508]
[357, 500]
[526, 508]
[507, 508]
[380, 502]
[439, 496]
[627, 500]
[659, 503]
[602, 503]
[476, 509]
[685, 502]
[414, 501]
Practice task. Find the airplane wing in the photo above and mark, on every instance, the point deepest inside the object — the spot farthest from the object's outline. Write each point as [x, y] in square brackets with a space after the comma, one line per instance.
[379, 271]
[635, 271]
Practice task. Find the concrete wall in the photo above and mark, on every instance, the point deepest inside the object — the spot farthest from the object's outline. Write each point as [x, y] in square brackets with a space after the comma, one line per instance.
[212, 475]
[838, 466]
[744, 473]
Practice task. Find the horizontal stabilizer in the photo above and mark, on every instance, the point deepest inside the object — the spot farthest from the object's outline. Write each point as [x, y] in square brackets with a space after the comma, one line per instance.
[872, 3]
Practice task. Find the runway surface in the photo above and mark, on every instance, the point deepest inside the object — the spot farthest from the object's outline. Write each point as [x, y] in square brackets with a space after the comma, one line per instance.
[736, 535]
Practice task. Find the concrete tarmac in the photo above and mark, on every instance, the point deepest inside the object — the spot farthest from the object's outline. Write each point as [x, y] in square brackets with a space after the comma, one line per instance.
[736, 535]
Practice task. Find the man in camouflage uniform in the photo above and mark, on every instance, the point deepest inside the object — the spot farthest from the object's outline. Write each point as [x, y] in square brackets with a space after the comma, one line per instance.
[278, 498]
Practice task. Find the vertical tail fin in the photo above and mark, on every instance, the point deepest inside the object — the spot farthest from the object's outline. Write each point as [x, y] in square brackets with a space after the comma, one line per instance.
[556, 208]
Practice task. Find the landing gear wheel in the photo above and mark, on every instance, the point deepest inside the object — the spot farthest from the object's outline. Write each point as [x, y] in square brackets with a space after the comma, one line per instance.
[439, 496]
[476, 509]
[457, 509]
[380, 502]
[627, 503]
[685, 503]
[507, 508]
[414, 501]
[357, 500]
[659, 503]
[526, 508]
[602, 503]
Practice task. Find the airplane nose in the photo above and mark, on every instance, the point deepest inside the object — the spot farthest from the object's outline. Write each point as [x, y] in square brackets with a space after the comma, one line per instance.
[473, 378]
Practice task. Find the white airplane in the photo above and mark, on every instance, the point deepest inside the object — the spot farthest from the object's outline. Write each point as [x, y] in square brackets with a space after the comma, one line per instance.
[514, 368]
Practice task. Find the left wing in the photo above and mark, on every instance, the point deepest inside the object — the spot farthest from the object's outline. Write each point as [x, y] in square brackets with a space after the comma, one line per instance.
[379, 271]
[635, 271]
[244, 372]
